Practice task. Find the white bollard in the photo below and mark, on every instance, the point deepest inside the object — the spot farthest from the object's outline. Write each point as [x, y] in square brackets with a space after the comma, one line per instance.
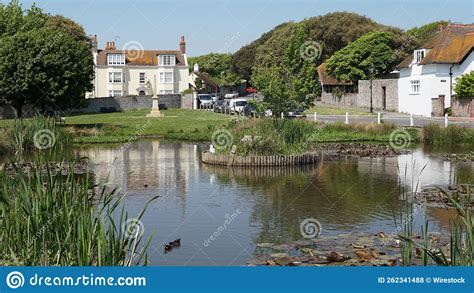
[379, 118]
[315, 117]
[446, 122]
[347, 117]
[282, 115]
[411, 120]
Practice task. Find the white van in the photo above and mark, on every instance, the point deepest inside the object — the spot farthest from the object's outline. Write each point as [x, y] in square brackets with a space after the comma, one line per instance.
[237, 106]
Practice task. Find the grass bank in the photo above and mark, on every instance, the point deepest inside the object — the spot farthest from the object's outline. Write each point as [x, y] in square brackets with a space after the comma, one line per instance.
[284, 137]
[120, 127]
[450, 136]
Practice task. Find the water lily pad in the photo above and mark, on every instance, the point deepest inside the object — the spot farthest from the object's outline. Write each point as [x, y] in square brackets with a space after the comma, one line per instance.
[265, 245]
[279, 255]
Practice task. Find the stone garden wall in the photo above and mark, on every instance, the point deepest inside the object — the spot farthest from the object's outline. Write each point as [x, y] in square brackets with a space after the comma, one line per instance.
[127, 103]
[362, 98]
[462, 107]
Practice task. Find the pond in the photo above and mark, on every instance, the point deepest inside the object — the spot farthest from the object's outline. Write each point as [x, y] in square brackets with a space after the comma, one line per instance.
[221, 213]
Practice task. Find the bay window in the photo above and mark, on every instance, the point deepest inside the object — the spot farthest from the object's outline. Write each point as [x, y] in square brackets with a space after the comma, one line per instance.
[116, 77]
[166, 77]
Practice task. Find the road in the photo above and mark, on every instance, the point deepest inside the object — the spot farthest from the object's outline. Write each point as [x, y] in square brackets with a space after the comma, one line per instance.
[397, 119]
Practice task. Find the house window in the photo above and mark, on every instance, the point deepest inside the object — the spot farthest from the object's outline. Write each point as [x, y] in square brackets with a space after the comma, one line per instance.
[166, 60]
[116, 59]
[414, 87]
[166, 77]
[142, 77]
[419, 55]
[166, 92]
[115, 93]
[116, 77]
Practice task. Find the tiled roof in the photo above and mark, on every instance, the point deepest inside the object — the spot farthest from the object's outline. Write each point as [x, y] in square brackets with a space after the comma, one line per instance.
[450, 46]
[326, 79]
[145, 57]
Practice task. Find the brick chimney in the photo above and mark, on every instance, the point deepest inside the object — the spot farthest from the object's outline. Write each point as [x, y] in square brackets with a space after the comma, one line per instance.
[94, 43]
[110, 46]
[182, 45]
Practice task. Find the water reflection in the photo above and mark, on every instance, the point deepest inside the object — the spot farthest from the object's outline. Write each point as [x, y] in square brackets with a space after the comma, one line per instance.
[345, 195]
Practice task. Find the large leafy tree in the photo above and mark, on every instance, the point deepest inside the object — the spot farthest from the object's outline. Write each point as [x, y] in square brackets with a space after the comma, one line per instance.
[370, 56]
[44, 60]
[291, 83]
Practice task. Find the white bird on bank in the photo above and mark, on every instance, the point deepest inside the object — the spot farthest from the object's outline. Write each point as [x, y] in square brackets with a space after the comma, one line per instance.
[212, 150]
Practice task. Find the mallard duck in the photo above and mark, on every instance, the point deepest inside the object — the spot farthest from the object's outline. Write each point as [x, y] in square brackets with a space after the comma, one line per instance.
[176, 243]
[168, 248]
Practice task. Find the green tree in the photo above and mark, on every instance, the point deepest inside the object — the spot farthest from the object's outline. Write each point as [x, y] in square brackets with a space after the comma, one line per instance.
[426, 32]
[370, 56]
[46, 62]
[465, 86]
[213, 64]
[293, 83]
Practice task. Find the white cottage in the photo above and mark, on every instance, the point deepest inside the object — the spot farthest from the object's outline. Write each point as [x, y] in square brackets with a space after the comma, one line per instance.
[432, 70]
[134, 72]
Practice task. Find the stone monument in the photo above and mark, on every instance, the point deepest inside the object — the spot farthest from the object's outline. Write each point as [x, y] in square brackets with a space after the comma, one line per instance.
[155, 109]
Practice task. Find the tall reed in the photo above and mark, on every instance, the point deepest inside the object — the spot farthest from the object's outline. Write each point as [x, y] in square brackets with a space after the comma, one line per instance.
[39, 132]
[51, 220]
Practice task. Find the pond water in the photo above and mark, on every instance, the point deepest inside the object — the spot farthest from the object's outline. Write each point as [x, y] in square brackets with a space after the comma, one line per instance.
[346, 195]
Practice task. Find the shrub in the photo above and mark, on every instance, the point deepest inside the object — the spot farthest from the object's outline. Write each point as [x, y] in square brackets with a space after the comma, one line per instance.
[465, 86]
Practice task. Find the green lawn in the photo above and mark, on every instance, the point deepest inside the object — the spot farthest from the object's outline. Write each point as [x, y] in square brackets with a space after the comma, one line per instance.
[123, 126]
[322, 109]
[177, 123]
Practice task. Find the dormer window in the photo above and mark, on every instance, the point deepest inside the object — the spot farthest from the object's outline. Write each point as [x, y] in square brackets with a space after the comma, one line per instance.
[116, 59]
[166, 60]
[420, 55]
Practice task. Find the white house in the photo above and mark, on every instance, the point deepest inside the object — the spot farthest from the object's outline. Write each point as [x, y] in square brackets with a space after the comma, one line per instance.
[138, 72]
[432, 70]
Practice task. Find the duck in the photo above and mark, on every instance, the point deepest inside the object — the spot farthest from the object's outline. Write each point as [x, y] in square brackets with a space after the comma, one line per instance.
[168, 248]
[176, 243]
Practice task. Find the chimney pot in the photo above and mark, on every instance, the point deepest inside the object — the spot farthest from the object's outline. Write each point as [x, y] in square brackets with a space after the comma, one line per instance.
[182, 45]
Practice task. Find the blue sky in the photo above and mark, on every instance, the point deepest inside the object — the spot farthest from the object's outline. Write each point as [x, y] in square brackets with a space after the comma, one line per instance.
[227, 25]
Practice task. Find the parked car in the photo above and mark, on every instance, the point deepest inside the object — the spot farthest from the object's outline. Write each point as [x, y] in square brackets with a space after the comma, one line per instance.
[205, 100]
[236, 106]
[232, 95]
[219, 106]
[215, 96]
[297, 113]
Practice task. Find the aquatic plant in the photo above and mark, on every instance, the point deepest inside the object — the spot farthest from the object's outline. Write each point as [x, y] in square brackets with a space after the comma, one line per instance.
[40, 133]
[50, 220]
[433, 134]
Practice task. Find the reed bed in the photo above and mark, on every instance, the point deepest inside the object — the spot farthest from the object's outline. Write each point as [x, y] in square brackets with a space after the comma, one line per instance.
[52, 220]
